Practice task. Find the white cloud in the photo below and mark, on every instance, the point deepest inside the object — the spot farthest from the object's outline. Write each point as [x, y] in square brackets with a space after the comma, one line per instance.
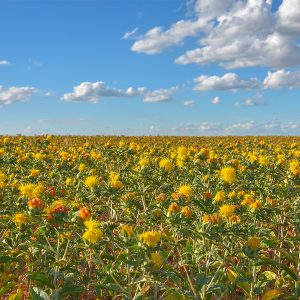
[242, 126]
[154, 130]
[234, 34]
[289, 17]
[282, 79]
[292, 125]
[15, 94]
[93, 91]
[129, 34]
[47, 94]
[216, 100]
[229, 81]
[256, 100]
[156, 40]
[160, 95]
[273, 127]
[189, 103]
[4, 62]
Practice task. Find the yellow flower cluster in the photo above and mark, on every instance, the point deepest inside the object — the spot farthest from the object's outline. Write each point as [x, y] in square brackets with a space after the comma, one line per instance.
[150, 238]
[228, 175]
[92, 233]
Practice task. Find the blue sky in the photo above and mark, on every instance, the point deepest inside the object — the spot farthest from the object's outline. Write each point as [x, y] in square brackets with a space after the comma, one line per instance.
[202, 67]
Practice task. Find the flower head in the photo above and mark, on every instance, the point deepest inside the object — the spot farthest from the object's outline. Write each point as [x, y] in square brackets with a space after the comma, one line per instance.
[228, 174]
[226, 210]
[186, 191]
[84, 213]
[253, 243]
[126, 230]
[35, 203]
[19, 218]
[220, 196]
[186, 211]
[91, 181]
[166, 164]
[295, 167]
[150, 238]
[92, 233]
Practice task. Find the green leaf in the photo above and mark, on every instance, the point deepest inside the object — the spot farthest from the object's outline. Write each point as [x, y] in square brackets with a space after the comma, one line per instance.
[70, 289]
[9, 286]
[42, 278]
[8, 259]
[111, 287]
[38, 294]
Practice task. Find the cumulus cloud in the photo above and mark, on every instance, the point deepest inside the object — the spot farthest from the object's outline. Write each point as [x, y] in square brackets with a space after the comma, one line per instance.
[216, 100]
[15, 94]
[129, 34]
[282, 79]
[289, 17]
[93, 91]
[234, 34]
[229, 81]
[4, 62]
[189, 103]
[156, 39]
[160, 95]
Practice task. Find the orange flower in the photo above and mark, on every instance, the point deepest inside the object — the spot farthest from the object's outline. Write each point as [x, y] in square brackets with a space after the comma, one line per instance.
[84, 213]
[35, 203]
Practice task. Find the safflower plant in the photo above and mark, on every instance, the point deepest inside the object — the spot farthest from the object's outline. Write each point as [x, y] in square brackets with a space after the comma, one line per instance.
[149, 218]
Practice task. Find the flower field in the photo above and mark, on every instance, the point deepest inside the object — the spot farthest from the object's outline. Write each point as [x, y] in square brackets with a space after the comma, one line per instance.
[149, 218]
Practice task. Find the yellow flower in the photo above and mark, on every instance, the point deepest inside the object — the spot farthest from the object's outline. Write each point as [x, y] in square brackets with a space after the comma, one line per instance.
[232, 194]
[213, 219]
[126, 230]
[166, 164]
[19, 219]
[144, 162]
[255, 205]
[156, 259]
[226, 210]
[220, 196]
[93, 233]
[27, 190]
[295, 167]
[91, 181]
[81, 167]
[161, 197]
[180, 162]
[68, 181]
[91, 224]
[34, 172]
[116, 184]
[150, 238]
[186, 191]
[2, 176]
[186, 211]
[253, 243]
[228, 174]
[182, 151]
[173, 207]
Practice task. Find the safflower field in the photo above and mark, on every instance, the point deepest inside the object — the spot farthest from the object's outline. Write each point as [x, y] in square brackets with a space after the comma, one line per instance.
[149, 217]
